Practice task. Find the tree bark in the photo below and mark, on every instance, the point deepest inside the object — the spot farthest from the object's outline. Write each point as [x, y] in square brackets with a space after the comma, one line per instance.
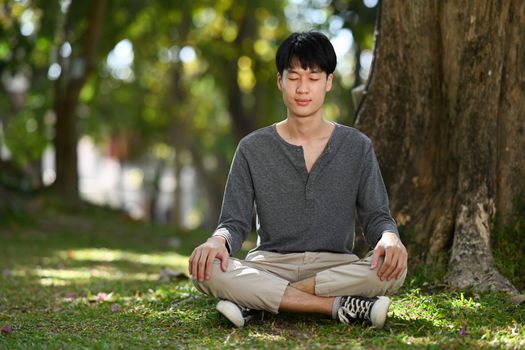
[67, 90]
[443, 107]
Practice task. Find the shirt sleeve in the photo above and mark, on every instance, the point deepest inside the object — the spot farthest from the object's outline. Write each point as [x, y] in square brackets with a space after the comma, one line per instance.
[372, 201]
[235, 221]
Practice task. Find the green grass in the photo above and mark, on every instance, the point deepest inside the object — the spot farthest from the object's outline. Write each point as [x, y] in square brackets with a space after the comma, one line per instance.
[508, 246]
[54, 262]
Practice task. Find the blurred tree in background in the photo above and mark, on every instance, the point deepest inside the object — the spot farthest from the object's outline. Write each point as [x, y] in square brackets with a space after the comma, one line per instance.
[161, 87]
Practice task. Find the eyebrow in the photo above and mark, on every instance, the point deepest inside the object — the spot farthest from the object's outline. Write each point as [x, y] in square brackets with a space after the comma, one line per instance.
[312, 71]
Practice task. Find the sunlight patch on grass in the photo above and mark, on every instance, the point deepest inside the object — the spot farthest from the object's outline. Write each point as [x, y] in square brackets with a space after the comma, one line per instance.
[267, 337]
[436, 309]
[111, 255]
[52, 282]
[68, 274]
[418, 341]
[464, 303]
[63, 277]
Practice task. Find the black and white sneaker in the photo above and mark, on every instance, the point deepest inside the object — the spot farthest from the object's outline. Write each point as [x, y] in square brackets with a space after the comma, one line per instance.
[237, 315]
[360, 308]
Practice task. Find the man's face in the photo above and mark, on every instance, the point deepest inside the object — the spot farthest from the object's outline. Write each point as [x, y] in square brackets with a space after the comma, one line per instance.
[304, 90]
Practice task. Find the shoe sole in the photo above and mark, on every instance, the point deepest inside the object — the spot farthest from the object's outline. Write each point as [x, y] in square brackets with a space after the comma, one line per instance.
[379, 312]
[231, 312]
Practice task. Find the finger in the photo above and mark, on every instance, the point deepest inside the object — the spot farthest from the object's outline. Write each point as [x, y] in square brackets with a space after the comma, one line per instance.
[401, 272]
[396, 262]
[201, 265]
[387, 265]
[194, 264]
[397, 271]
[378, 252]
[190, 261]
[224, 260]
[209, 264]
[404, 264]
[391, 270]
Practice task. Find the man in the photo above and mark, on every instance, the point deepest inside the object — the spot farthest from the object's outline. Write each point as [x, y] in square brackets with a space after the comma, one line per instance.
[306, 177]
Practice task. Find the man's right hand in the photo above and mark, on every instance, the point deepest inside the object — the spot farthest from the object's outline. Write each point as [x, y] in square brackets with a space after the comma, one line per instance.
[201, 260]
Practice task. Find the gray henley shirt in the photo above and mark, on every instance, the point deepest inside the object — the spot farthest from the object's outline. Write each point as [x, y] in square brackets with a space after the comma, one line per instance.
[297, 211]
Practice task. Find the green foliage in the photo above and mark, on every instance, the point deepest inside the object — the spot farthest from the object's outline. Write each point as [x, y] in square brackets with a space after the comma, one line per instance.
[231, 77]
[87, 277]
[22, 113]
[25, 134]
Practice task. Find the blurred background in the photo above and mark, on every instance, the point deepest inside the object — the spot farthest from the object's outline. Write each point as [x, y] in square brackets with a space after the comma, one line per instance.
[138, 106]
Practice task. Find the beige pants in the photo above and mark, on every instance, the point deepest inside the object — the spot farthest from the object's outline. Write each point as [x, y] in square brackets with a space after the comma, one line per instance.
[259, 281]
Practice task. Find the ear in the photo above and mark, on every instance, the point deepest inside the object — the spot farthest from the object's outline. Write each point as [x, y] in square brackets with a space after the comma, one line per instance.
[279, 82]
[329, 81]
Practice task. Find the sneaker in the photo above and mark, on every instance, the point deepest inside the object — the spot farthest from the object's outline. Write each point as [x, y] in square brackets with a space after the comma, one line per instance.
[359, 308]
[237, 315]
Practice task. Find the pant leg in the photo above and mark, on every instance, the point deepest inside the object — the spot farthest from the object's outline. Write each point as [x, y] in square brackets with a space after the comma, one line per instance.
[355, 278]
[246, 283]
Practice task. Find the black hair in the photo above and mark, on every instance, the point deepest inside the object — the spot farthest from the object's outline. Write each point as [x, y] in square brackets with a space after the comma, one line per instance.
[311, 49]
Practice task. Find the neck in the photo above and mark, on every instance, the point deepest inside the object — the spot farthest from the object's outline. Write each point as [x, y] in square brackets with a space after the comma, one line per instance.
[306, 129]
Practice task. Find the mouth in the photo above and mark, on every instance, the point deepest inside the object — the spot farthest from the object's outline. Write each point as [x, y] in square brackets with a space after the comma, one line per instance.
[302, 102]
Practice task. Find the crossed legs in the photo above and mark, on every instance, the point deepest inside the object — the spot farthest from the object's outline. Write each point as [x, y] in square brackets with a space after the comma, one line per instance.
[263, 283]
[300, 300]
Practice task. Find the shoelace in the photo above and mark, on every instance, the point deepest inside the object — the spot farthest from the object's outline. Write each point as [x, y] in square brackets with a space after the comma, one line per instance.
[356, 308]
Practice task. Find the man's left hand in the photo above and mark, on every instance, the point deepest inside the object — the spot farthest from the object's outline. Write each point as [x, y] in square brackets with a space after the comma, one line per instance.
[395, 257]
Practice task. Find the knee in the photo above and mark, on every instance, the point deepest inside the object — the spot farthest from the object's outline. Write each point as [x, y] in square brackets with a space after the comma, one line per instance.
[385, 287]
[396, 284]
[217, 279]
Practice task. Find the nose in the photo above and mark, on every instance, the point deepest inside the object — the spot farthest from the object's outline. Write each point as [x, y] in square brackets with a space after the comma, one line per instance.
[302, 88]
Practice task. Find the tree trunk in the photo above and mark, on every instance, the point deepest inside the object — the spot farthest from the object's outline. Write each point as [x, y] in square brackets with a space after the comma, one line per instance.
[67, 90]
[443, 106]
[214, 182]
[176, 210]
[243, 122]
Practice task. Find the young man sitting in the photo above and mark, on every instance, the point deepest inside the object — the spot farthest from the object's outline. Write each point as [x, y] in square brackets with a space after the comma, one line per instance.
[306, 177]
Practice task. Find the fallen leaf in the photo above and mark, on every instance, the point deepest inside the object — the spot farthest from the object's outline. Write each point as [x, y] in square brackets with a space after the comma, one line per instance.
[103, 296]
[6, 330]
[115, 308]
